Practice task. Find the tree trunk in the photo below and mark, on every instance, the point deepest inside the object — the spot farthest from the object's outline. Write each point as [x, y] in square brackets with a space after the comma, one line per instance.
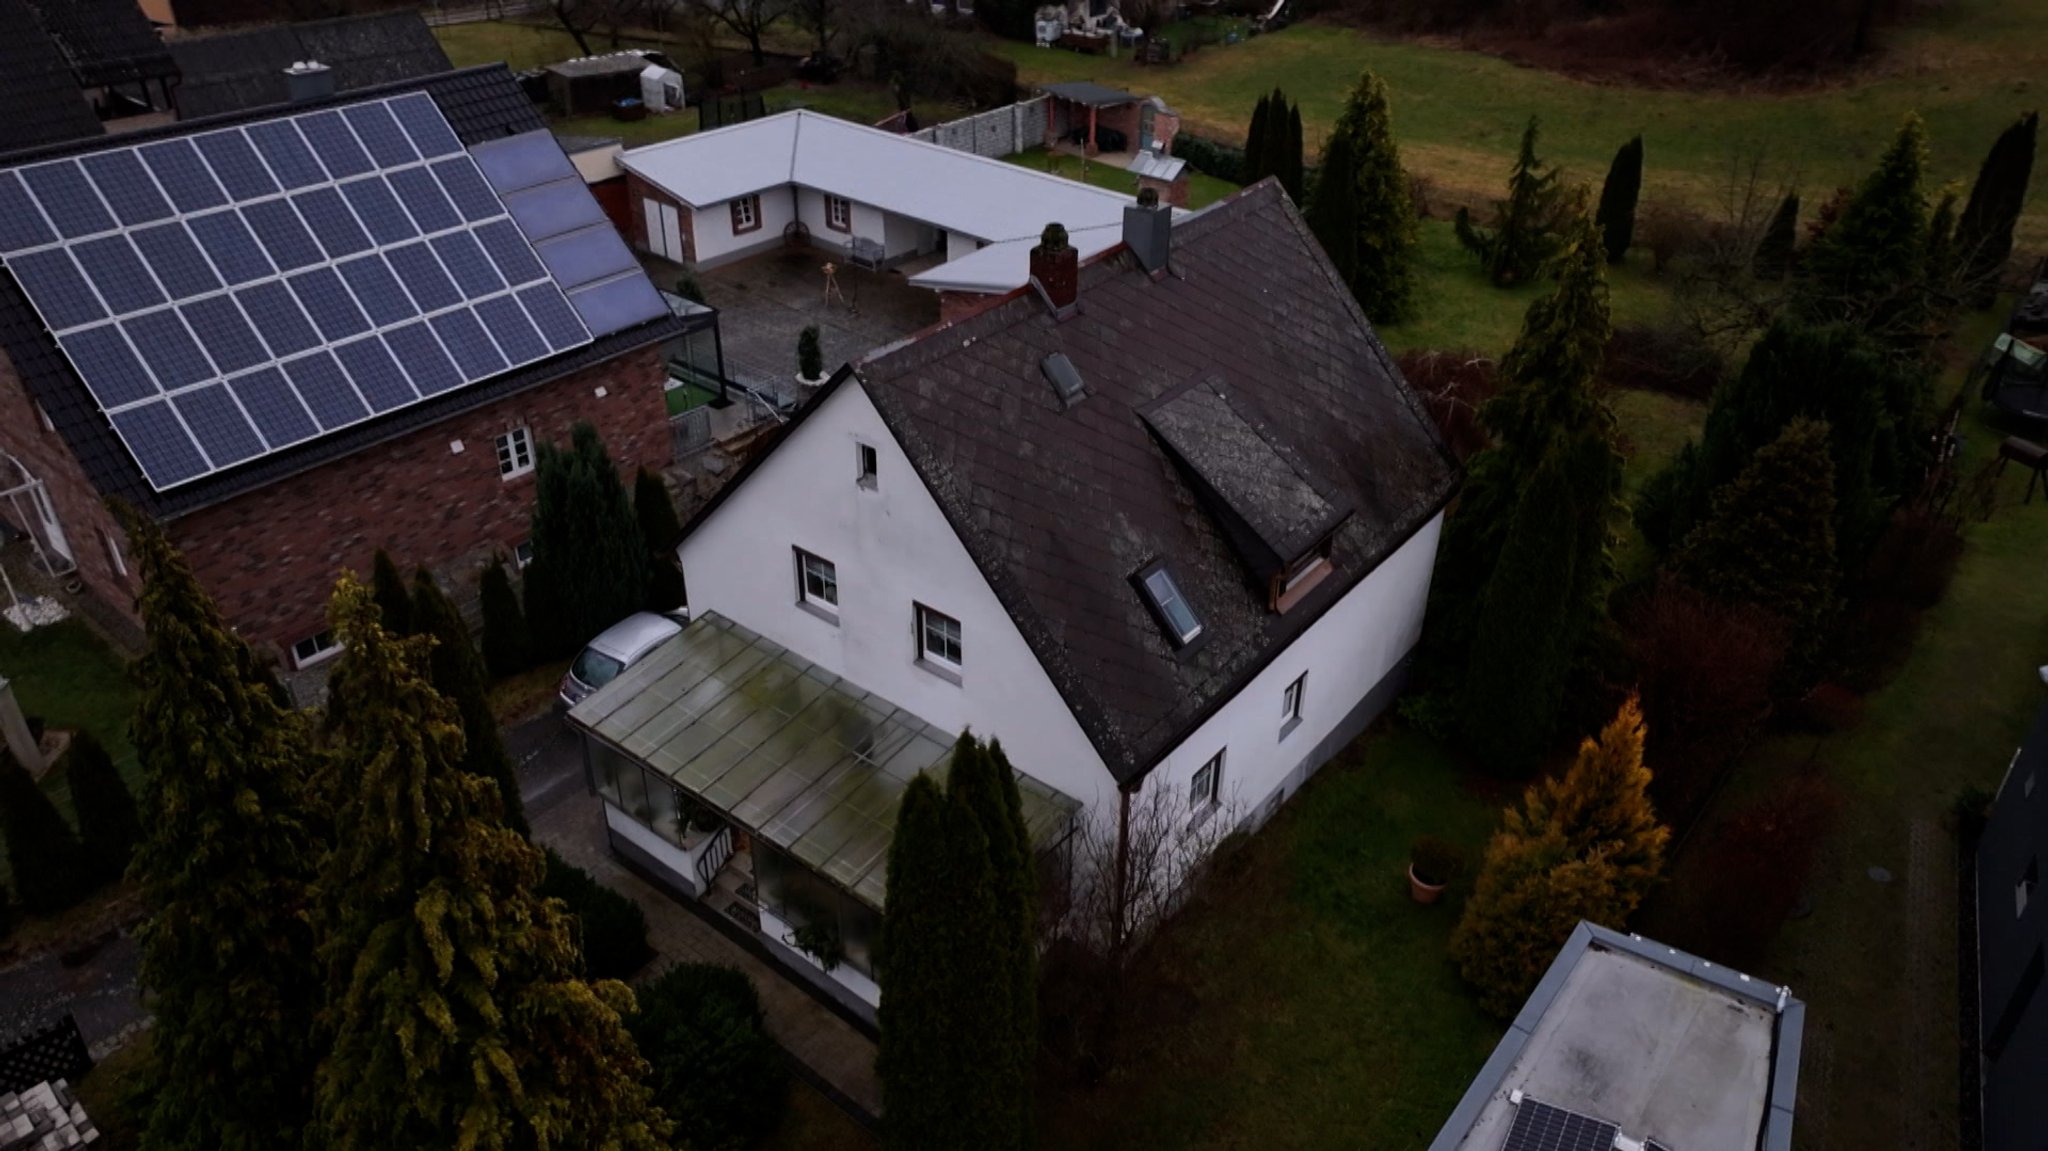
[575, 33]
[754, 43]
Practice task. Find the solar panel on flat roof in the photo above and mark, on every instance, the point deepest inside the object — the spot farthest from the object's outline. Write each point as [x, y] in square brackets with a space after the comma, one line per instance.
[127, 252]
[1541, 1127]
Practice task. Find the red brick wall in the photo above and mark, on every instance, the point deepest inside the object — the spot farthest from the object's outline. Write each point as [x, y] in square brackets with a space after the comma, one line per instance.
[80, 511]
[638, 191]
[271, 556]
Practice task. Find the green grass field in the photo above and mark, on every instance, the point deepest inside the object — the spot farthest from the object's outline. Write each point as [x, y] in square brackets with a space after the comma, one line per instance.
[1968, 68]
[1202, 190]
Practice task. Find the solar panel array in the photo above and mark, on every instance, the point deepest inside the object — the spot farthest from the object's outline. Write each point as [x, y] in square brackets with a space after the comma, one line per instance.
[229, 294]
[1541, 1127]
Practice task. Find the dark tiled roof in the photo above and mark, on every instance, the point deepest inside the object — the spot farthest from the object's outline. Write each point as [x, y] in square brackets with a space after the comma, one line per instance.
[105, 41]
[1061, 508]
[1090, 93]
[240, 70]
[480, 104]
[40, 102]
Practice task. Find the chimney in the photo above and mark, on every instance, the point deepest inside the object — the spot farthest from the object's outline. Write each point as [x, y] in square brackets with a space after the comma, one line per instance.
[1148, 230]
[1056, 269]
[308, 80]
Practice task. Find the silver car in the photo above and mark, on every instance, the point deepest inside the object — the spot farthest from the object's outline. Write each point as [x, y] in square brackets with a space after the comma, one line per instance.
[615, 649]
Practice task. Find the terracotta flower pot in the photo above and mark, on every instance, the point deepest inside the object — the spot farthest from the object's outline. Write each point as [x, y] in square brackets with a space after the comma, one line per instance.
[1423, 892]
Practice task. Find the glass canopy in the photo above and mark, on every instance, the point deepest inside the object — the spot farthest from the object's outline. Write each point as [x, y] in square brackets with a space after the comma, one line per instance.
[799, 757]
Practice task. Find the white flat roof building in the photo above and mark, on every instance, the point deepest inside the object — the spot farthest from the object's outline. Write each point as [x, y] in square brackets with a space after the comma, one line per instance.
[1629, 1044]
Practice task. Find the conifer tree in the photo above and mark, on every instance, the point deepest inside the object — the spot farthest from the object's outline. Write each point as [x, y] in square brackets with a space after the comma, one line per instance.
[1943, 267]
[108, 826]
[387, 587]
[981, 777]
[1618, 193]
[1770, 540]
[1255, 142]
[1778, 247]
[660, 531]
[589, 566]
[507, 648]
[225, 870]
[457, 673]
[1292, 163]
[1866, 268]
[1984, 231]
[1524, 234]
[1277, 136]
[51, 871]
[1360, 210]
[456, 1013]
[1586, 845]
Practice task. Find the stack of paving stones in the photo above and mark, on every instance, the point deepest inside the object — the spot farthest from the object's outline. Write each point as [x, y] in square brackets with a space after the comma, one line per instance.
[44, 1118]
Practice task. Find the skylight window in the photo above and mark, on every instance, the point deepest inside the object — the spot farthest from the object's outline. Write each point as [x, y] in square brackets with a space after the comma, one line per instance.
[1064, 377]
[1163, 596]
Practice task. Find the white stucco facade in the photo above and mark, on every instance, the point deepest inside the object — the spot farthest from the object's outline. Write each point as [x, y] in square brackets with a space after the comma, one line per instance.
[717, 243]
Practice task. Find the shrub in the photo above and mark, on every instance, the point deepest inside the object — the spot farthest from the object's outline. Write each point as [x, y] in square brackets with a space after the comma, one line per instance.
[1454, 386]
[614, 929]
[715, 1070]
[1757, 864]
[1668, 234]
[1223, 161]
[1666, 358]
[507, 648]
[51, 872]
[108, 826]
[810, 358]
[661, 532]
[1436, 861]
[1829, 708]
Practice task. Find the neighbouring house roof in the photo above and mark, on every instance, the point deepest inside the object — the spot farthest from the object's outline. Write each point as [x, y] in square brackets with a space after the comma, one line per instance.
[38, 93]
[105, 41]
[798, 756]
[574, 144]
[2011, 1029]
[1090, 93]
[480, 105]
[240, 70]
[1642, 1041]
[1061, 506]
[609, 64]
[987, 199]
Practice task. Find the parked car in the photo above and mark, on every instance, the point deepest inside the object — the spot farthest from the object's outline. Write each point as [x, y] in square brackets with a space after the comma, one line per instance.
[615, 649]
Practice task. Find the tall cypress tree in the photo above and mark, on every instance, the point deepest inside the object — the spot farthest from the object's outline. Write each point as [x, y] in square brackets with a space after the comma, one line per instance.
[589, 566]
[1292, 164]
[51, 871]
[1277, 137]
[1867, 267]
[660, 531]
[1618, 193]
[1524, 229]
[108, 826]
[456, 1012]
[458, 675]
[1779, 245]
[226, 871]
[387, 587]
[1360, 210]
[1255, 143]
[1984, 232]
[981, 778]
[508, 650]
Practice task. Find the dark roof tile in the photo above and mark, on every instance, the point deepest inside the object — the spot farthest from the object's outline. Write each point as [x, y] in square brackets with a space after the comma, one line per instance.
[38, 93]
[244, 69]
[105, 41]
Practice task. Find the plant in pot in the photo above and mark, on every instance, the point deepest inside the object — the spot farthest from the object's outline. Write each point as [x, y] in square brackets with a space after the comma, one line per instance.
[810, 358]
[1433, 864]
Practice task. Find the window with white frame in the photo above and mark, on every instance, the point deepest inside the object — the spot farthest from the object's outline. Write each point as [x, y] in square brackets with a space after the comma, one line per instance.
[866, 465]
[314, 648]
[515, 453]
[817, 582]
[522, 553]
[746, 213]
[839, 213]
[1290, 703]
[938, 638]
[1207, 786]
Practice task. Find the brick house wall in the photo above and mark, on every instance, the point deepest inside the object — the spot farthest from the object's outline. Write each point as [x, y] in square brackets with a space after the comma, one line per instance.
[271, 556]
[637, 193]
[88, 526]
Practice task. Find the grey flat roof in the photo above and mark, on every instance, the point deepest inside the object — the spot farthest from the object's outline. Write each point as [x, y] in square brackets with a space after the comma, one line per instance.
[1666, 1046]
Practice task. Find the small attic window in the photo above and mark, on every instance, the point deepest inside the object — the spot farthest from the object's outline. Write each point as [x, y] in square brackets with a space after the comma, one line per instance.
[1171, 608]
[1064, 377]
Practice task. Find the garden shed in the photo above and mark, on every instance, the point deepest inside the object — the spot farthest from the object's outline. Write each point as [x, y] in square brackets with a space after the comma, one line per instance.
[588, 85]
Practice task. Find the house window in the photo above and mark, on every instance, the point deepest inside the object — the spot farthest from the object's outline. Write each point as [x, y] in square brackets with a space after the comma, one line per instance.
[866, 464]
[817, 583]
[839, 213]
[2024, 889]
[114, 554]
[515, 453]
[522, 553]
[746, 214]
[1207, 786]
[314, 648]
[1170, 607]
[938, 638]
[1290, 704]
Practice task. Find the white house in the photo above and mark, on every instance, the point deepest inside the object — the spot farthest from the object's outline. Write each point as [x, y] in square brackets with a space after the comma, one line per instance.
[1161, 521]
[727, 194]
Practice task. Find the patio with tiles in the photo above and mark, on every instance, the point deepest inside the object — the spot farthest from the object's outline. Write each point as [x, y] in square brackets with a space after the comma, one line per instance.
[765, 302]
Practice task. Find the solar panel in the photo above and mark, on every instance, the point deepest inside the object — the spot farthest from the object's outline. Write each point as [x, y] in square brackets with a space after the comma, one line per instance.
[553, 209]
[1541, 1127]
[522, 161]
[1653, 1145]
[585, 256]
[619, 303]
[241, 290]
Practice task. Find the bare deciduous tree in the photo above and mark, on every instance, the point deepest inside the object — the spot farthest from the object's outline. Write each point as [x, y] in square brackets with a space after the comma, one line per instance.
[750, 21]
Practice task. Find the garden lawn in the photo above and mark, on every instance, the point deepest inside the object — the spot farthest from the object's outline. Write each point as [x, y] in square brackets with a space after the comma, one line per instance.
[1203, 190]
[1302, 1000]
[1969, 68]
[67, 675]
